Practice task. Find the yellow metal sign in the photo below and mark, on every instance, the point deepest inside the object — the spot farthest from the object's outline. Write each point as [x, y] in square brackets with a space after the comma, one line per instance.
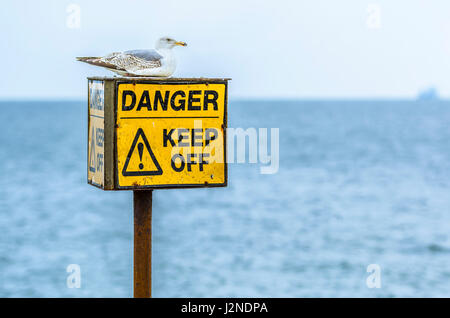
[170, 135]
[96, 126]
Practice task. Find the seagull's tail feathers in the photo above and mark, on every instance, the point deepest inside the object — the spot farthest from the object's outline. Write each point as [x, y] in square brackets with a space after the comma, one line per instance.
[97, 61]
[87, 59]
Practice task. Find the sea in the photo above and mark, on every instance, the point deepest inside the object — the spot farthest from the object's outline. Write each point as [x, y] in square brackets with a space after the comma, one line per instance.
[359, 207]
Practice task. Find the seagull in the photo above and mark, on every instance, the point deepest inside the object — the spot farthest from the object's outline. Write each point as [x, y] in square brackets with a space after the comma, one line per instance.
[159, 62]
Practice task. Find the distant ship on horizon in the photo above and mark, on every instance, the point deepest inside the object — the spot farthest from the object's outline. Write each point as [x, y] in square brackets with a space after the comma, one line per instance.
[428, 94]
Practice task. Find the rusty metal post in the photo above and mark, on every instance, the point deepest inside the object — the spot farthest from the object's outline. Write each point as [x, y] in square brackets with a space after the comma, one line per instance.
[142, 201]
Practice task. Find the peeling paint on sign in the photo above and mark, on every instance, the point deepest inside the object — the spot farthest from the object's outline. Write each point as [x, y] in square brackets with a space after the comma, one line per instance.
[96, 133]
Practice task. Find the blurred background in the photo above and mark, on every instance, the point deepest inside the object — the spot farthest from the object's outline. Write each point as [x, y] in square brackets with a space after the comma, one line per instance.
[358, 90]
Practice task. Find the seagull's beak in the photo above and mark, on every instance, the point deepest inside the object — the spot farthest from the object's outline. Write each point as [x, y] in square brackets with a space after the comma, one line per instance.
[181, 43]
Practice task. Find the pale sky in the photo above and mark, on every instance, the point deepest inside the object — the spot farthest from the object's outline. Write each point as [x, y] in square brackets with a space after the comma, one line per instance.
[271, 49]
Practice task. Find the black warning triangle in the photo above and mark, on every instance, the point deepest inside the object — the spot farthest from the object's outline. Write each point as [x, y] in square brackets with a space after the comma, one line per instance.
[126, 173]
[92, 153]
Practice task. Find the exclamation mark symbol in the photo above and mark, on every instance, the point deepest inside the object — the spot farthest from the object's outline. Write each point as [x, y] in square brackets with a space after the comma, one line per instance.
[141, 151]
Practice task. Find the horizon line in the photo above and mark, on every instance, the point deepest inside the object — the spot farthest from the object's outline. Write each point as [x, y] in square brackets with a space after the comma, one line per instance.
[242, 99]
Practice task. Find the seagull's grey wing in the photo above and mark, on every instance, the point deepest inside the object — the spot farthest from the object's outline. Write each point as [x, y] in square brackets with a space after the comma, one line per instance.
[130, 61]
[147, 55]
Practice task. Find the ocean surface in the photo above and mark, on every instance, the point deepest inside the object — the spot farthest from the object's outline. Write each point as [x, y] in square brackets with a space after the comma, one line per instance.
[359, 183]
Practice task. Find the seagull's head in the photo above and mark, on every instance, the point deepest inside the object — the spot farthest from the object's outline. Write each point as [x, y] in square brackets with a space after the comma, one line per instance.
[168, 43]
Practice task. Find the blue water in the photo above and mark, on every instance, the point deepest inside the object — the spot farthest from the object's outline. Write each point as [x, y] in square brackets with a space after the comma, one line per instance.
[359, 183]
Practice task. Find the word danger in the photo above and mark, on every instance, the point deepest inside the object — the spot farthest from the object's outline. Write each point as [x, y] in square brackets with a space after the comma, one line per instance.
[178, 100]
[195, 137]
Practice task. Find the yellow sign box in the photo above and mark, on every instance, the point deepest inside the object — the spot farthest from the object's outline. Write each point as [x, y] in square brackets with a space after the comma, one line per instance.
[167, 133]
